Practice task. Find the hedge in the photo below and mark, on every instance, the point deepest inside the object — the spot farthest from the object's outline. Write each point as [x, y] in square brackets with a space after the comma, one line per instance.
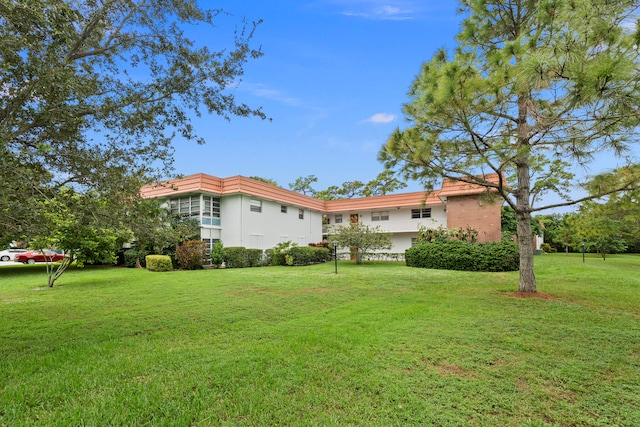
[304, 255]
[457, 255]
[236, 257]
[254, 257]
[241, 257]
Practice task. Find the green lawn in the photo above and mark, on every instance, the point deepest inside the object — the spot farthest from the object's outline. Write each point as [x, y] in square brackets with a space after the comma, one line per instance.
[375, 345]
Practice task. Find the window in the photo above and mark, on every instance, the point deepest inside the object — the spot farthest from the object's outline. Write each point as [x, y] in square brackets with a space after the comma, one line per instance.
[283, 208]
[300, 213]
[210, 210]
[338, 219]
[255, 205]
[380, 216]
[421, 213]
[414, 240]
[202, 208]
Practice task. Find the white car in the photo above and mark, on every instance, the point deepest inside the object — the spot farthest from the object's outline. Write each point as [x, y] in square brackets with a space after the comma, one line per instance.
[9, 254]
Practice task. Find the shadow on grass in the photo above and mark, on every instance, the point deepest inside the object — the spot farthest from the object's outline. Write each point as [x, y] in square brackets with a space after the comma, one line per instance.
[39, 268]
[22, 269]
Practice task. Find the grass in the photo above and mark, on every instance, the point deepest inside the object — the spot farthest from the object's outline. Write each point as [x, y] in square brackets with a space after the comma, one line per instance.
[376, 345]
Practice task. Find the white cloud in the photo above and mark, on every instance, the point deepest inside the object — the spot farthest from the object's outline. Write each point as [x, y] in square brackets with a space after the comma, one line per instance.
[273, 94]
[262, 91]
[382, 13]
[381, 118]
[381, 10]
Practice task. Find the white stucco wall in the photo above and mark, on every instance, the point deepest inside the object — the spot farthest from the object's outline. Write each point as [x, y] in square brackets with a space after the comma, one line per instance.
[265, 229]
[400, 224]
[399, 219]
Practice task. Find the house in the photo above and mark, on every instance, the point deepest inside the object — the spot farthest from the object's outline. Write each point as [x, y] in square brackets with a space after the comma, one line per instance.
[241, 211]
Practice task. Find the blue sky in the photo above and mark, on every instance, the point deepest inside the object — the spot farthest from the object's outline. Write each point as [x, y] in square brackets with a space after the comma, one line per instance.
[333, 78]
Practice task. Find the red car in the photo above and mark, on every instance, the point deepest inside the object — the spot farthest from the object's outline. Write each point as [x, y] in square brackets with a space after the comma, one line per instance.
[31, 257]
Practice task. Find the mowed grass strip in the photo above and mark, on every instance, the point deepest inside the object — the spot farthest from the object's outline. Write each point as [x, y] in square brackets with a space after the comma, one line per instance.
[378, 345]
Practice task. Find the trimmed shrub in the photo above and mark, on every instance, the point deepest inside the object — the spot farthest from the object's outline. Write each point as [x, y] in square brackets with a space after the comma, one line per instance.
[459, 255]
[217, 255]
[435, 234]
[131, 256]
[498, 256]
[254, 257]
[300, 255]
[236, 257]
[270, 256]
[191, 254]
[277, 255]
[305, 255]
[158, 263]
[288, 253]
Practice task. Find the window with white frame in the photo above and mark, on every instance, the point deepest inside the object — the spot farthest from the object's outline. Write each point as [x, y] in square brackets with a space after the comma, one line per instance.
[210, 210]
[255, 205]
[300, 213]
[421, 213]
[380, 216]
[204, 209]
[414, 240]
[338, 219]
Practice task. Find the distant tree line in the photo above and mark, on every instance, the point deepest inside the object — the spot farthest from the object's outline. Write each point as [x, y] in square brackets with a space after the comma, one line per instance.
[607, 225]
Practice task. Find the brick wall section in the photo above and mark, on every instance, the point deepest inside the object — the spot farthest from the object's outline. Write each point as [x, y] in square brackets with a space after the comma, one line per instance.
[471, 211]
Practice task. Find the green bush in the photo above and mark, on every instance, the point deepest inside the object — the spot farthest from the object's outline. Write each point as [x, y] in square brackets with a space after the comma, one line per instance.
[270, 256]
[277, 255]
[158, 263]
[291, 254]
[431, 235]
[236, 257]
[546, 247]
[322, 255]
[191, 254]
[254, 257]
[458, 255]
[217, 254]
[286, 253]
[133, 255]
[305, 255]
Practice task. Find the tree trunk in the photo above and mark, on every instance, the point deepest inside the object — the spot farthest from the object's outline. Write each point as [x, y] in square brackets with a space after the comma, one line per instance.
[525, 244]
[523, 202]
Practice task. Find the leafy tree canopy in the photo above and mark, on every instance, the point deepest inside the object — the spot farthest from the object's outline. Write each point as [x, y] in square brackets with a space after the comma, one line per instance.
[83, 226]
[265, 180]
[612, 224]
[383, 184]
[360, 238]
[303, 184]
[94, 93]
[532, 88]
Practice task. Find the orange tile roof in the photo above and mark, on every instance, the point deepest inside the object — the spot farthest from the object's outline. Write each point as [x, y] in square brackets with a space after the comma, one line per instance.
[383, 202]
[253, 187]
[451, 187]
[225, 186]
[241, 185]
[188, 184]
